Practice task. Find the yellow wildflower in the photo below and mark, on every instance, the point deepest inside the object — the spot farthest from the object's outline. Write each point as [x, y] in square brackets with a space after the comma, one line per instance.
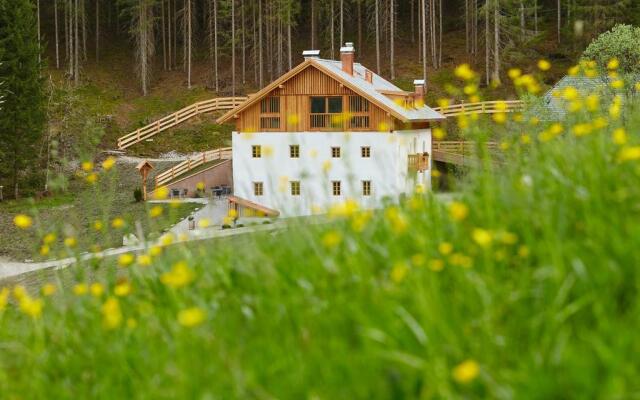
[191, 317]
[19, 292]
[600, 122]
[359, 221]
[445, 248]
[397, 219]
[544, 65]
[44, 249]
[525, 139]
[570, 93]
[464, 72]
[438, 133]
[166, 239]
[49, 238]
[200, 185]
[124, 260]
[326, 166]
[22, 221]
[581, 129]
[466, 371]
[461, 260]
[514, 73]
[4, 298]
[331, 239]
[573, 71]
[31, 307]
[203, 223]
[156, 211]
[96, 289]
[117, 223]
[482, 237]
[436, 265]
[144, 260]
[108, 163]
[122, 288]
[80, 289]
[399, 272]
[111, 313]
[70, 241]
[458, 211]
[91, 178]
[629, 154]
[523, 251]
[180, 275]
[418, 259]
[508, 237]
[500, 118]
[98, 225]
[593, 102]
[613, 64]
[617, 84]
[619, 136]
[161, 193]
[48, 289]
[87, 166]
[344, 209]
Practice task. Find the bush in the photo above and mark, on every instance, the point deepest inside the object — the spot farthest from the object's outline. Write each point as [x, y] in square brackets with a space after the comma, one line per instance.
[137, 195]
[621, 42]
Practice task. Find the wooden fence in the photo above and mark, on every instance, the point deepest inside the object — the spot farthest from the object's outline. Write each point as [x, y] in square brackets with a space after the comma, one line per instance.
[201, 107]
[485, 107]
[458, 152]
[192, 163]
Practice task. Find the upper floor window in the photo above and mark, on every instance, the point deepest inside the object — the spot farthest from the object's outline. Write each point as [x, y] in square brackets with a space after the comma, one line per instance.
[366, 188]
[359, 110]
[335, 152]
[270, 113]
[256, 151]
[258, 188]
[365, 151]
[336, 188]
[322, 108]
[294, 151]
[295, 188]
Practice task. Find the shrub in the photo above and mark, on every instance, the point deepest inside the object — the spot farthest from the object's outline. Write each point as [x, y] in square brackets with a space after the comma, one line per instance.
[621, 42]
[137, 195]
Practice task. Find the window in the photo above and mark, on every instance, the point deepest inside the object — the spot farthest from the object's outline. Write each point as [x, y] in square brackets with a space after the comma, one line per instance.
[258, 188]
[294, 151]
[359, 110]
[321, 110]
[335, 152]
[335, 187]
[365, 151]
[366, 188]
[295, 188]
[256, 151]
[270, 113]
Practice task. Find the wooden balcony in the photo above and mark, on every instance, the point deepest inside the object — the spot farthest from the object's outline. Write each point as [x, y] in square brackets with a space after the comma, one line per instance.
[418, 162]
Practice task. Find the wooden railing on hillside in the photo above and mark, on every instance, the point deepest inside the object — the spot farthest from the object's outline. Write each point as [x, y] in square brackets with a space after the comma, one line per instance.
[201, 107]
[191, 163]
[458, 152]
[485, 107]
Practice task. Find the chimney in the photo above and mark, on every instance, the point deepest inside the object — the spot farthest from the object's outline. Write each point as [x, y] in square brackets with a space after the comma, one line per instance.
[347, 54]
[419, 89]
[368, 76]
[311, 54]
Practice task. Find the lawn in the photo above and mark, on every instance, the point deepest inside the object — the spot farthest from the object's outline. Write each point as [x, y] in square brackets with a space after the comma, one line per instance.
[74, 212]
[525, 286]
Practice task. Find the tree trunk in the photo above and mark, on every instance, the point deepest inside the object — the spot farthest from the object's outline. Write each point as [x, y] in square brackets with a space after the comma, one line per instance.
[84, 31]
[164, 36]
[331, 35]
[559, 19]
[535, 15]
[313, 24]
[341, 22]
[215, 44]
[39, 34]
[76, 72]
[55, 14]
[189, 35]
[289, 36]
[233, 48]
[360, 43]
[98, 31]
[486, 40]
[423, 11]
[413, 30]
[377, 41]
[244, 53]
[391, 37]
[260, 74]
[496, 30]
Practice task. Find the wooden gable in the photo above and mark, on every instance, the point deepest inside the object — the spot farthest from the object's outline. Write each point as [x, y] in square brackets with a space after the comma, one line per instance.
[294, 104]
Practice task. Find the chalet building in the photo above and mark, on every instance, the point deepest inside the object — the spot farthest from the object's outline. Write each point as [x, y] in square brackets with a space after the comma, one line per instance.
[328, 131]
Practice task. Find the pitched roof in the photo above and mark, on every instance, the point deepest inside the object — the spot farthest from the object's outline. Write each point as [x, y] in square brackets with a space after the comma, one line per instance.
[371, 91]
[583, 84]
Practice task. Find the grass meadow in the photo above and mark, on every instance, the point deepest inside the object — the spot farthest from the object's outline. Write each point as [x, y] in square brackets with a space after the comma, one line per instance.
[525, 286]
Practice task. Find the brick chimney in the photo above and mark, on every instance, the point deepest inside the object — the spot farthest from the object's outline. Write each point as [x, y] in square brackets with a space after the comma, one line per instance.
[347, 55]
[368, 76]
[419, 89]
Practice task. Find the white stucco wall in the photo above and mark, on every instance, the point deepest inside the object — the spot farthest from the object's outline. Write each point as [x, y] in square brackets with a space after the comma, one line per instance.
[316, 169]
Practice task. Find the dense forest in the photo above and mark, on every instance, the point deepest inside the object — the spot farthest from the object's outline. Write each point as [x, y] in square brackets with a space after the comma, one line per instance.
[254, 41]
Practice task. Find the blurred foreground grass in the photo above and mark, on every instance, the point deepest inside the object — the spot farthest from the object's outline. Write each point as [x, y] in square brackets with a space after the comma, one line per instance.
[525, 286]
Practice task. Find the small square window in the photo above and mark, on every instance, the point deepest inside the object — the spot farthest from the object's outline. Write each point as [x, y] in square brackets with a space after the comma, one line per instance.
[335, 152]
[258, 188]
[366, 188]
[295, 188]
[335, 105]
[256, 151]
[294, 151]
[365, 151]
[336, 188]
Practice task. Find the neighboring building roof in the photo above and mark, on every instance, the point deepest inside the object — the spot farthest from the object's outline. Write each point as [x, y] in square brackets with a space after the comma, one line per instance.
[357, 83]
[552, 99]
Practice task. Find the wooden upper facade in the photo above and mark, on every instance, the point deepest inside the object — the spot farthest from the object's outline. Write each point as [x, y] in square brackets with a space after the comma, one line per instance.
[315, 96]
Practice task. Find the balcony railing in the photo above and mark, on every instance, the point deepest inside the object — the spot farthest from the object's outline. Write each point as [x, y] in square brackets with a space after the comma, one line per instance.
[419, 162]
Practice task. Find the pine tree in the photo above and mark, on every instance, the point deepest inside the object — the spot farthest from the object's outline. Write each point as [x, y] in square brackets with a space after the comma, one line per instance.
[23, 116]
